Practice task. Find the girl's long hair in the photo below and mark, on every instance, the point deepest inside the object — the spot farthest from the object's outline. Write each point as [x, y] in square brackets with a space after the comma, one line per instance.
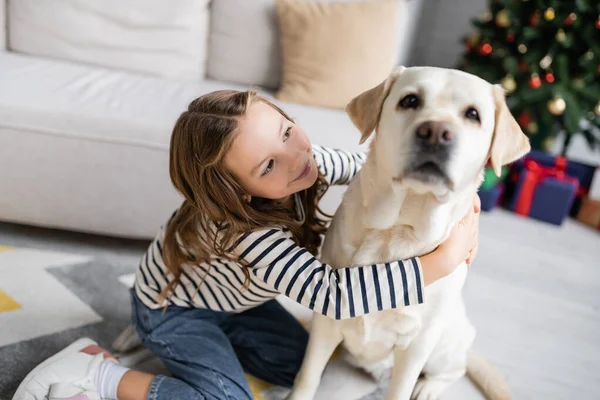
[214, 212]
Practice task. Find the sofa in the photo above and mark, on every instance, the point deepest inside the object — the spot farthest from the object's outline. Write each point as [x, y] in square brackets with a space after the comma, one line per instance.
[89, 92]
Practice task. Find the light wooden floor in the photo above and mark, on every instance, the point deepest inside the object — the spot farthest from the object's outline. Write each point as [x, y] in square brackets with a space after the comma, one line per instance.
[533, 294]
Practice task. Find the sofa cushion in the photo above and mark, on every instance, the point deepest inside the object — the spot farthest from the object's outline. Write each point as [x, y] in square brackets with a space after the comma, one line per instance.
[244, 40]
[334, 51]
[153, 36]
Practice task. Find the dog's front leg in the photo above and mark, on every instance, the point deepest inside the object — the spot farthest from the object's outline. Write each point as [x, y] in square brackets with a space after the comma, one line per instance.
[325, 336]
[408, 364]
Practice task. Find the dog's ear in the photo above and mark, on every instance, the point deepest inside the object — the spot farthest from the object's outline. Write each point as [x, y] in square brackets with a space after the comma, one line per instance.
[364, 110]
[509, 143]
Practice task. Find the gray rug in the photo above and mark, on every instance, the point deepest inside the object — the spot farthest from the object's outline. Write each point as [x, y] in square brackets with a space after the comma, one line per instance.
[95, 283]
[533, 294]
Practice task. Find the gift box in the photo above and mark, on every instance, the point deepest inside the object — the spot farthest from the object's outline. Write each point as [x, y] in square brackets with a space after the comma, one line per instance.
[589, 213]
[583, 172]
[594, 191]
[544, 192]
[490, 179]
[490, 198]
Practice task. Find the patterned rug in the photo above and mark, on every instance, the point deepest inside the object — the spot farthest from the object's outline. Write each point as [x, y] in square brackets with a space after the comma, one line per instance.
[49, 299]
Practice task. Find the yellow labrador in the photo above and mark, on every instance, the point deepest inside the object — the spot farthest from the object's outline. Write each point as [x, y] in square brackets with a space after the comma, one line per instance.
[435, 130]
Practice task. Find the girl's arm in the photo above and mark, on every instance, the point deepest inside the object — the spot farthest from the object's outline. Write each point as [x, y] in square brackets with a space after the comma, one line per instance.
[338, 166]
[274, 257]
[277, 260]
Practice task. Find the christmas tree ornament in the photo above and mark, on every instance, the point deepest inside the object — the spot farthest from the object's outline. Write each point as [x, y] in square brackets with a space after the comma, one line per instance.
[549, 77]
[557, 105]
[597, 23]
[546, 61]
[597, 109]
[522, 48]
[570, 18]
[534, 19]
[524, 119]
[523, 66]
[485, 49]
[509, 84]
[589, 55]
[474, 37]
[510, 38]
[503, 18]
[486, 16]
[548, 144]
[549, 14]
[561, 35]
[535, 82]
[532, 128]
[468, 45]
[591, 116]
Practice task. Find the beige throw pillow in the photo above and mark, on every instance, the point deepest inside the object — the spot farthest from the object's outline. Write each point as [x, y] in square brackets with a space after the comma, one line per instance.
[334, 51]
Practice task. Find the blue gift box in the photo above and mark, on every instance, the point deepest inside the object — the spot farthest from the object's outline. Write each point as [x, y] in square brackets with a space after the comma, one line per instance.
[583, 172]
[550, 200]
[490, 197]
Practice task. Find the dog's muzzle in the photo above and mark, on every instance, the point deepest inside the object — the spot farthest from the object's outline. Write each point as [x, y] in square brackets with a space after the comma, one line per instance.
[434, 141]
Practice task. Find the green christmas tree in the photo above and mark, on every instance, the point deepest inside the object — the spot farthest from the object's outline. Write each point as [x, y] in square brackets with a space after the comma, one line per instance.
[546, 55]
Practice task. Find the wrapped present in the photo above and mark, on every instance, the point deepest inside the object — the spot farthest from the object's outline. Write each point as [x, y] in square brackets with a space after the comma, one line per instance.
[583, 172]
[589, 213]
[544, 193]
[594, 191]
[490, 198]
[490, 179]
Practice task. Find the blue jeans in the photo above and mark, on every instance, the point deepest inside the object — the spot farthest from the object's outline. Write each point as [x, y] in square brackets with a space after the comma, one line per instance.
[207, 351]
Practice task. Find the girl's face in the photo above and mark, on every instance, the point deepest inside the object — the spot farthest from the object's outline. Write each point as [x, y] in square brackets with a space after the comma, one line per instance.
[271, 156]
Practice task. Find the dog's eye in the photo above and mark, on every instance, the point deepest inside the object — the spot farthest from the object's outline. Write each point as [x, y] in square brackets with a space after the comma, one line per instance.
[472, 114]
[409, 101]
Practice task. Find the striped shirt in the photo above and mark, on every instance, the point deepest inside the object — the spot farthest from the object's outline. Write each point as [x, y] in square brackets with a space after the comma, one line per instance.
[278, 265]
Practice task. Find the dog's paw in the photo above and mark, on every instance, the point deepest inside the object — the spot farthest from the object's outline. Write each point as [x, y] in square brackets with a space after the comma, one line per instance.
[429, 389]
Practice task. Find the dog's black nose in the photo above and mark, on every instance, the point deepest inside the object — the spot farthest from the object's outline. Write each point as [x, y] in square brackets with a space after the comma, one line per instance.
[435, 133]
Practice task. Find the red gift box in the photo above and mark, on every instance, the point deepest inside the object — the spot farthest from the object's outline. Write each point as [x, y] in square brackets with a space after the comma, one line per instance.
[544, 192]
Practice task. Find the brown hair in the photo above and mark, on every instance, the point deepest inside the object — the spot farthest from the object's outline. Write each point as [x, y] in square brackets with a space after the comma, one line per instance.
[214, 212]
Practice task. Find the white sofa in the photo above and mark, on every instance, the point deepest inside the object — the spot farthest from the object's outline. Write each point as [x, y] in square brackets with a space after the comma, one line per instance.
[84, 146]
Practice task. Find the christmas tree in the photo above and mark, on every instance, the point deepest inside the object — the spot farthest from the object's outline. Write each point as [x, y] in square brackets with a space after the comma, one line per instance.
[546, 55]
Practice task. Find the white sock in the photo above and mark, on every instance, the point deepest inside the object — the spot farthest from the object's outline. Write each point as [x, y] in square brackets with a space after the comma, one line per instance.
[108, 377]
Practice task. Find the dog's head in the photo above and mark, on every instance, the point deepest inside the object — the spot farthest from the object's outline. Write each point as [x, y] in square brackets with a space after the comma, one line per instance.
[437, 127]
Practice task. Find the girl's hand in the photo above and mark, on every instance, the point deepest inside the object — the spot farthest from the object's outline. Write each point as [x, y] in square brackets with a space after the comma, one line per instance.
[460, 246]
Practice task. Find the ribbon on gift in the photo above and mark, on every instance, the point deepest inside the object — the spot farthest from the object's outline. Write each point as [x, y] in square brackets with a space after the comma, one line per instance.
[536, 174]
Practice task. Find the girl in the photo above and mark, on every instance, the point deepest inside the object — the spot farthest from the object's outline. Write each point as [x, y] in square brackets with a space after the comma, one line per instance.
[248, 230]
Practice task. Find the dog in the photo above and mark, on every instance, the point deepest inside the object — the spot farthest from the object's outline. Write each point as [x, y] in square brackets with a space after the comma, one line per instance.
[435, 131]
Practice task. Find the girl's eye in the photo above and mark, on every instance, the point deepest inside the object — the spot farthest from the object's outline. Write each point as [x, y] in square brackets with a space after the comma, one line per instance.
[288, 133]
[269, 168]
